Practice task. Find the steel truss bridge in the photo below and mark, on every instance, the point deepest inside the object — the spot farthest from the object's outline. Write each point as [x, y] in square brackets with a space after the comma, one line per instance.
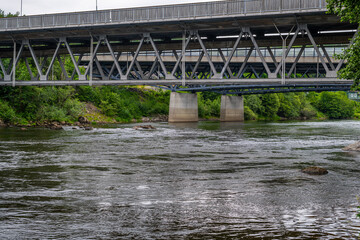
[240, 47]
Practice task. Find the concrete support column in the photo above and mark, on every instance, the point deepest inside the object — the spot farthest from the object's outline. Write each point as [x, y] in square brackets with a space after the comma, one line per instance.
[183, 107]
[232, 109]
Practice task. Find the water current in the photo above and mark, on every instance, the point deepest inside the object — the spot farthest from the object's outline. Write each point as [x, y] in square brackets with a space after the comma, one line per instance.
[206, 180]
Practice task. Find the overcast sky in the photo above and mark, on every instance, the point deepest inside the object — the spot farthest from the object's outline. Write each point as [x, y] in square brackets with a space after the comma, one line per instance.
[31, 7]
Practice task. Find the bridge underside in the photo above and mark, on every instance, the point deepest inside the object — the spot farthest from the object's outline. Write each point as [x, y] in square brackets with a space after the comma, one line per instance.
[219, 44]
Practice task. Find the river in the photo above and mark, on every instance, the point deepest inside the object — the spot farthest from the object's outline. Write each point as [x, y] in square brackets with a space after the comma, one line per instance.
[206, 180]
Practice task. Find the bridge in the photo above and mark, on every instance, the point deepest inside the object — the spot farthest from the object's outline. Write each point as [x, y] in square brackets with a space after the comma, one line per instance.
[186, 47]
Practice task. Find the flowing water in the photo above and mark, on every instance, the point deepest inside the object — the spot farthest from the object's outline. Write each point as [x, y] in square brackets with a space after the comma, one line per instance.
[207, 180]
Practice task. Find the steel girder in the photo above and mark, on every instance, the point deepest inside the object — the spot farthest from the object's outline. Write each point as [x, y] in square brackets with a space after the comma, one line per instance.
[258, 89]
[39, 68]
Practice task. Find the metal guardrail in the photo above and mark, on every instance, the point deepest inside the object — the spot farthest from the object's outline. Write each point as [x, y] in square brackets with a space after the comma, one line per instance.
[243, 52]
[160, 13]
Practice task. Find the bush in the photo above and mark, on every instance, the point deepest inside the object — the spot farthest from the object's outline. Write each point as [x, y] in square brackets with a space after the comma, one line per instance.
[254, 103]
[249, 114]
[88, 94]
[290, 106]
[52, 113]
[7, 113]
[308, 112]
[74, 108]
[271, 105]
[336, 105]
[207, 107]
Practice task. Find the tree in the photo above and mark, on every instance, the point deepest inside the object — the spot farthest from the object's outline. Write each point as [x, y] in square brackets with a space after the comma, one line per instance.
[271, 105]
[349, 11]
[336, 105]
[3, 14]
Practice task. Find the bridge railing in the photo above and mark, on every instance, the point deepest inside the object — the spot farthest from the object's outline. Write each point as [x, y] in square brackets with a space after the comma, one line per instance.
[158, 13]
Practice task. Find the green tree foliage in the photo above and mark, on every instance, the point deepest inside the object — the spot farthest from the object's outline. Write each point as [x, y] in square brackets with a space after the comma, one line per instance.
[290, 106]
[336, 105]
[349, 11]
[249, 114]
[7, 113]
[209, 104]
[125, 104]
[254, 103]
[271, 105]
[4, 14]
[38, 104]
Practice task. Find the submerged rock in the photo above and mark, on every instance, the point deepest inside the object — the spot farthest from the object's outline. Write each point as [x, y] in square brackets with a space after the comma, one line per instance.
[353, 147]
[315, 171]
[144, 127]
[88, 128]
[56, 127]
[158, 118]
[83, 120]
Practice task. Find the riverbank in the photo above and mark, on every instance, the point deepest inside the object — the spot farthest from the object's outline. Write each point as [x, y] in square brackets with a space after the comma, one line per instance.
[35, 106]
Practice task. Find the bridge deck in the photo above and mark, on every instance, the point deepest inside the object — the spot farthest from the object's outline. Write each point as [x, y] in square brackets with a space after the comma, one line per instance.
[221, 27]
[194, 11]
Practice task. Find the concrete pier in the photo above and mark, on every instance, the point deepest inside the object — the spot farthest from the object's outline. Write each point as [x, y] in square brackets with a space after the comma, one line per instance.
[232, 109]
[183, 107]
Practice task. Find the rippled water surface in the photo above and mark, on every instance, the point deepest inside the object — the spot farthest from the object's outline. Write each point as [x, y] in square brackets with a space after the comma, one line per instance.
[207, 180]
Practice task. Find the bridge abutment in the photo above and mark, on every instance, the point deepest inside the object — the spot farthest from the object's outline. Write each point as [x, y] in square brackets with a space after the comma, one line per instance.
[232, 109]
[183, 107]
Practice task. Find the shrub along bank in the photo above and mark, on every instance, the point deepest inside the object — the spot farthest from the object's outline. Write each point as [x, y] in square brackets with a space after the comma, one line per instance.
[38, 105]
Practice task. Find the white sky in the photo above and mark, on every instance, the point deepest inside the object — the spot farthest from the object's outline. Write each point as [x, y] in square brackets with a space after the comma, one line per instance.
[32, 7]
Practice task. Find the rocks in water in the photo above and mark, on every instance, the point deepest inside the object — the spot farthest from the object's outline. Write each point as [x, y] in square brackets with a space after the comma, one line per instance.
[159, 118]
[23, 129]
[56, 127]
[315, 171]
[141, 127]
[83, 120]
[353, 147]
[88, 128]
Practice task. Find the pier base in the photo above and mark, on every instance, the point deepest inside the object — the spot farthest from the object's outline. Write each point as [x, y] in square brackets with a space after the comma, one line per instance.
[232, 109]
[183, 107]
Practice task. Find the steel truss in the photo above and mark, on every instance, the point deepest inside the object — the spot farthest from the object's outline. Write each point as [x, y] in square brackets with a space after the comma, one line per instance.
[258, 89]
[203, 69]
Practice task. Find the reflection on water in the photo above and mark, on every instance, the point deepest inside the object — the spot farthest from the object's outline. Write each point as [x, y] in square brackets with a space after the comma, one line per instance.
[195, 181]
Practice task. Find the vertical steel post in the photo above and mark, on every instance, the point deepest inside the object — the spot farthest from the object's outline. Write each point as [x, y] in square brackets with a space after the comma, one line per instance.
[283, 59]
[183, 58]
[14, 66]
[91, 59]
